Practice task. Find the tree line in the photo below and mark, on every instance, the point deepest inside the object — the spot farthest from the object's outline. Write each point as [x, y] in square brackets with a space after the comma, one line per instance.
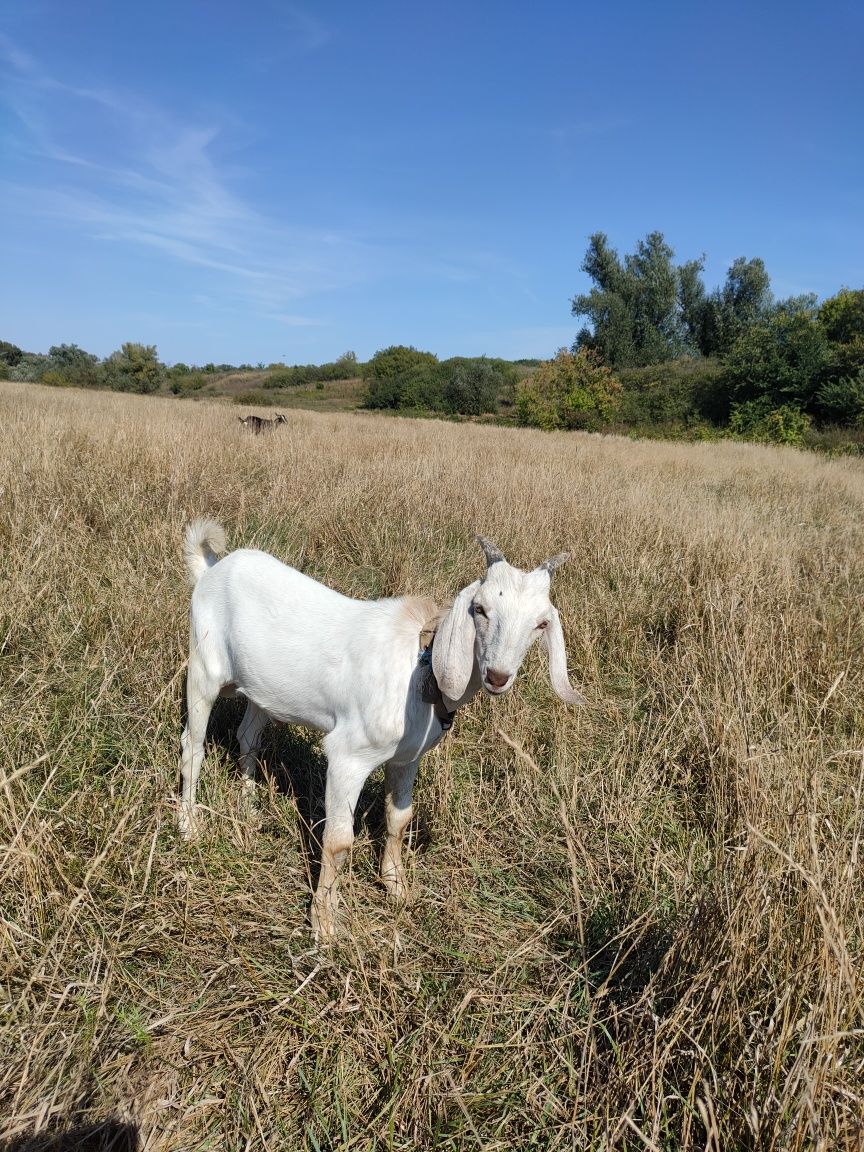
[657, 353]
[676, 355]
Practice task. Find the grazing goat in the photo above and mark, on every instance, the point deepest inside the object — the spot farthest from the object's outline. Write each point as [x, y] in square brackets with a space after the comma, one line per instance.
[258, 424]
[303, 654]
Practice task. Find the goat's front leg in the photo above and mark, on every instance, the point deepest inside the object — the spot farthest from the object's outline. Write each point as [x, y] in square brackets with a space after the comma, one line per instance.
[398, 783]
[345, 779]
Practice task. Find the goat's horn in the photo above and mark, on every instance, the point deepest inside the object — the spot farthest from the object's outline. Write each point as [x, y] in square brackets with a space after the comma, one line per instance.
[555, 562]
[493, 554]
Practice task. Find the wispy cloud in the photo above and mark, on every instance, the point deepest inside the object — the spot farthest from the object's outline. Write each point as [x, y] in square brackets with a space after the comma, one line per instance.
[121, 171]
[307, 32]
[127, 172]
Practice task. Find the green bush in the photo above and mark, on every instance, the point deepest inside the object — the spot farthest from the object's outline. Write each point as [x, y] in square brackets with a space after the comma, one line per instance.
[10, 354]
[402, 377]
[761, 421]
[575, 390]
[345, 368]
[842, 316]
[842, 401]
[70, 365]
[135, 368]
[186, 383]
[783, 358]
[258, 398]
[54, 379]
[684, 392]
[31, 366]
[471, 387]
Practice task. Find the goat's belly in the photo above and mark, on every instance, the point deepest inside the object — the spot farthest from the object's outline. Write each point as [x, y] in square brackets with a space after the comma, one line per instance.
[300, 709]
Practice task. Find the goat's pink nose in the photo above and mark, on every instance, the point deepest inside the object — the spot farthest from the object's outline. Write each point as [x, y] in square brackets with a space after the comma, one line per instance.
[496, 679]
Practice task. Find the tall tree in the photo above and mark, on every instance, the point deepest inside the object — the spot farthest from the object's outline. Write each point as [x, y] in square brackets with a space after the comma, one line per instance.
[135, 368]
[72, 365]
[744, 300]
[641, 310]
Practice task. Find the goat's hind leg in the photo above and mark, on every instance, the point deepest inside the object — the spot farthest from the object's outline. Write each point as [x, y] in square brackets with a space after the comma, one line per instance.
[200, 696]
[398, 784]
[249, 738]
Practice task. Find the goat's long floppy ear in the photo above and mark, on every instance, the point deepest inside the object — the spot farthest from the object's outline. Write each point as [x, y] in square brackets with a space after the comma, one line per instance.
[553, 642]
[453, 649]
[493, 554]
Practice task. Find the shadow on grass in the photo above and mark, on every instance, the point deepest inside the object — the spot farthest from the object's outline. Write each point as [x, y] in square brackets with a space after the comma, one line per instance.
[109, 1136]
[293, 759]
[621, 959]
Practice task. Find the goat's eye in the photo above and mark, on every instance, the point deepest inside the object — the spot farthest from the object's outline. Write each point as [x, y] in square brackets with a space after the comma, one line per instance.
[479, 610]
[543, 624]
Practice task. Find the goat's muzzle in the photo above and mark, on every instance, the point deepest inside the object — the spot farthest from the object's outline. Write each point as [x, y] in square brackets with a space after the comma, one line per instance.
[496, 682]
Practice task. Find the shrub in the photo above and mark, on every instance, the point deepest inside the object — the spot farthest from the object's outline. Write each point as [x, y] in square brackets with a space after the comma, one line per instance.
[402, 377]
[471, 387]
[842, 401]
[10, 354]
[842, 316]
[135, 368]
[186, 383]
[31, 366]
[345, 368]
[575, 390]
[686, 391]
[70, 365]
[258, 398]
[281, 378]
[783, 358]
[759, 420]
[54, 379]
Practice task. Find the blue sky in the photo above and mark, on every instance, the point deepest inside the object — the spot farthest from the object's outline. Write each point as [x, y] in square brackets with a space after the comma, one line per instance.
[277, 181]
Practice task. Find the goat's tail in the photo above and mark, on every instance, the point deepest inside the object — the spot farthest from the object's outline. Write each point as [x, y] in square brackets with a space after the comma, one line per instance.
[203, 544]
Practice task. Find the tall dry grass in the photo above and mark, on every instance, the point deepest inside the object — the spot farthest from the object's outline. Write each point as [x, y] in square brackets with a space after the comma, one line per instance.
[639, 925]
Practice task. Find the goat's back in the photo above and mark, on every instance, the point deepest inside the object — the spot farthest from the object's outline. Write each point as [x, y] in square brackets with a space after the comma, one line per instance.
[299, 649]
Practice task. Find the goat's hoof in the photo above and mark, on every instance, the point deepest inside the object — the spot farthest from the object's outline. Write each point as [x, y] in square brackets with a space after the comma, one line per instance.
[323, 921]
[249, 806]
[395, 885]
[188, 825]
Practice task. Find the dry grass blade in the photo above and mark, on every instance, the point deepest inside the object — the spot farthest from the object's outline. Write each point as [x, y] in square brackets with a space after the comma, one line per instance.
[635, 925]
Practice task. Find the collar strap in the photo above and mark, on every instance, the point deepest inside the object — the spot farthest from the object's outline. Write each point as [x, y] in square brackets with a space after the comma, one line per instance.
[430, 692]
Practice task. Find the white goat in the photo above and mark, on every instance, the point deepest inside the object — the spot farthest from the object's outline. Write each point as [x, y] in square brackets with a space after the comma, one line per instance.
[303, 654]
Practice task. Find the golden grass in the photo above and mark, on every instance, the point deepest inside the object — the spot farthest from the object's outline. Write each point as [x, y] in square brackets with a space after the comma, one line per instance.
[639, 925]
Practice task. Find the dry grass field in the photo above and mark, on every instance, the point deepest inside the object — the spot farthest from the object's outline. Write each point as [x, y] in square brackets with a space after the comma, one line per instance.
[638, 925]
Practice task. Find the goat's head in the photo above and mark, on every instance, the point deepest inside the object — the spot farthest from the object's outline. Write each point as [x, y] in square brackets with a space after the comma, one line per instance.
[280, 419]
[493, 623]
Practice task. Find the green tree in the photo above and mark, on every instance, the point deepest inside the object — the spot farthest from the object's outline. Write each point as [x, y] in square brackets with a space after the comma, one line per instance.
[10, 354]
[472, 386]
[31, 366]
[841, 401]
[743, 301]
[68, 364]
[842, 316]
[783, 357]
[347, 366]
[842, 320]
[642, 310]
[402, 377]
[135, 368]
[575, 390]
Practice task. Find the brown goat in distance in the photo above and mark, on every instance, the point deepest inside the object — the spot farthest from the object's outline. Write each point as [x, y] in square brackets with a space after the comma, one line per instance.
[258, 424]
